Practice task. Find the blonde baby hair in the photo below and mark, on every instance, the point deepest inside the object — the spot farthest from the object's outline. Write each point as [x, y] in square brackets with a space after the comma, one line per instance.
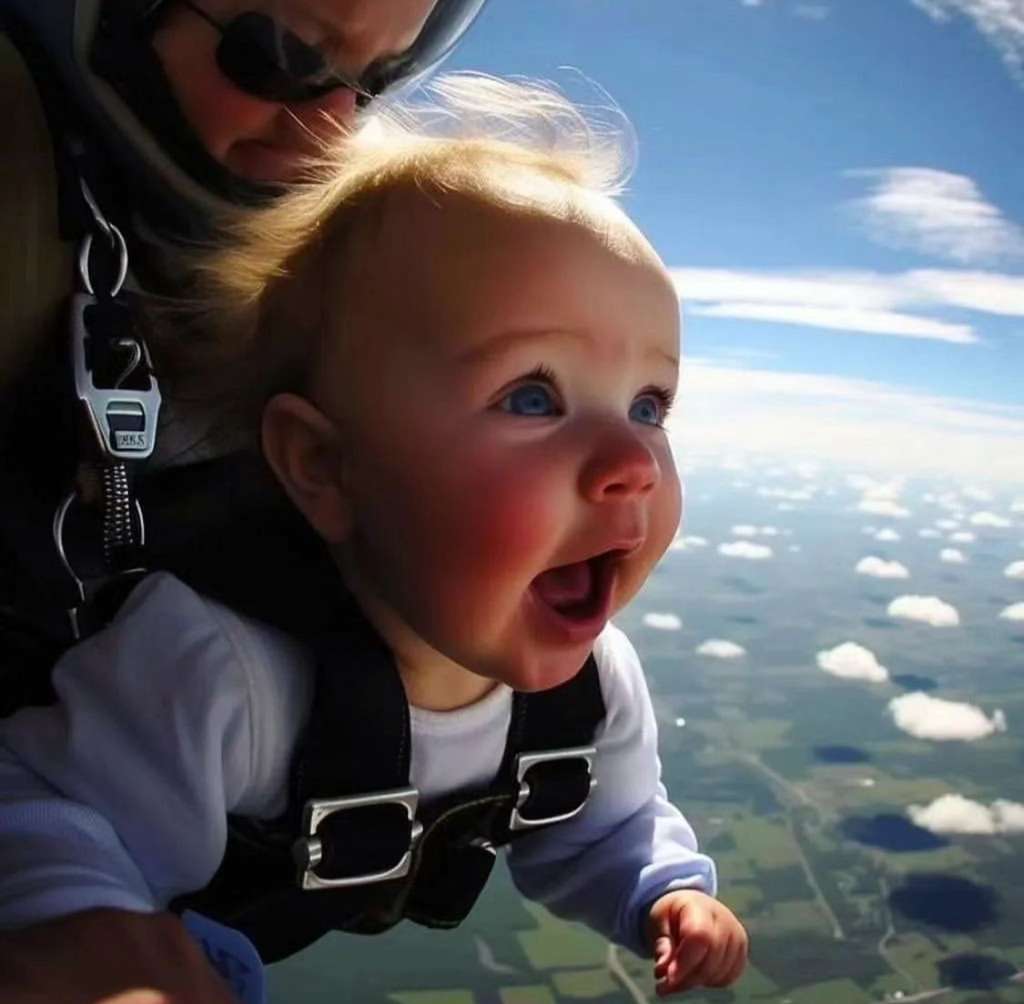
[251, 323]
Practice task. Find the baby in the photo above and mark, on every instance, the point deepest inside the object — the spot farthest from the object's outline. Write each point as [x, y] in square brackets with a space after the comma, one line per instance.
[462, 354]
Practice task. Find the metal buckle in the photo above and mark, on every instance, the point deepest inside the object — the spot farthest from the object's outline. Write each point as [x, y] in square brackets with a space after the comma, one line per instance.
[122, 419]
[526, 761]
[84, 587]
[308, 850]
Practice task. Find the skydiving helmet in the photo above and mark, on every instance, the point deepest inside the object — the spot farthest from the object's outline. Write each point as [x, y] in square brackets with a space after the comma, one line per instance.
[101, 50]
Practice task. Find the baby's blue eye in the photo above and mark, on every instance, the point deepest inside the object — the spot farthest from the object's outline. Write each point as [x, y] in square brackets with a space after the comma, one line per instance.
[530, 399]
[647, 409]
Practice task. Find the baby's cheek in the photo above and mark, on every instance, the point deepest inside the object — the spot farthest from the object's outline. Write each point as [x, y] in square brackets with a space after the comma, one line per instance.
[509, 525]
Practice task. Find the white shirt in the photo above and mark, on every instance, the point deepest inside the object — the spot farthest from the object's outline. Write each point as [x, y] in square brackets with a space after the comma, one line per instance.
[183, 711]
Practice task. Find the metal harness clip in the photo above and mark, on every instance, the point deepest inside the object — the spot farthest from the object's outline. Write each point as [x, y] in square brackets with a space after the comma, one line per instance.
[308, 849]
[122, 418]
[527, 761]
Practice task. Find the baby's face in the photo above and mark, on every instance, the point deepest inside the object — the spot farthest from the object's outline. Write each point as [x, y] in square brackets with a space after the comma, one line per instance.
[499, 393]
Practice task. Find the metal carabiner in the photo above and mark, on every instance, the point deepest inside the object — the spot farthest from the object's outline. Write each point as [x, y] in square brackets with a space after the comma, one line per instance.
[115, 239]
[60, 517]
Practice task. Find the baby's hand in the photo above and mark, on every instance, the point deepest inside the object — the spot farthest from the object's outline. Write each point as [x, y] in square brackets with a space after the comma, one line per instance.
[696, 942]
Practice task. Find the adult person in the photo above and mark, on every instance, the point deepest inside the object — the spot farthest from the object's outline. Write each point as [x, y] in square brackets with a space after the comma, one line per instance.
[131, 122]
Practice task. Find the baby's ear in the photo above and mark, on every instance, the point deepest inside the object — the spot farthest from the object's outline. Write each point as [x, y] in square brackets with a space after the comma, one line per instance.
[302, 447]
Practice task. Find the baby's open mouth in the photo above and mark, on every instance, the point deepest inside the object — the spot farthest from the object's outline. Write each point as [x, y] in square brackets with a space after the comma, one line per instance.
[582, 591]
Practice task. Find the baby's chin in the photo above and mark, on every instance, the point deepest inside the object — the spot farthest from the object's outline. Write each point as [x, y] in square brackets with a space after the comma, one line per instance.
[545, 672]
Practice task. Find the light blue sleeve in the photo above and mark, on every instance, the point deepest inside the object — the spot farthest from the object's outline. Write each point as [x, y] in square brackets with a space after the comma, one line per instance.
[117, 795]
[630, 844]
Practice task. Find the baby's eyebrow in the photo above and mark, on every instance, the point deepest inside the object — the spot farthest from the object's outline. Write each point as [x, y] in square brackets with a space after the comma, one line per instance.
[497, 345]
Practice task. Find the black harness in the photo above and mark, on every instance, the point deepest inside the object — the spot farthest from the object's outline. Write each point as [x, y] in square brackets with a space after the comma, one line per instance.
[354, 850]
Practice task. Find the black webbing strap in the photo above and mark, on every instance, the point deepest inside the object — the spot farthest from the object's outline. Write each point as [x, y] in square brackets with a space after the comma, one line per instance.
[563, 717]
[357, 742]
[76, 532]
[456, 852]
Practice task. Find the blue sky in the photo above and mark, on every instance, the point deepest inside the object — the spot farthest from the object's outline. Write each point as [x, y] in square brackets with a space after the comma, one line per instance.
[839, 185]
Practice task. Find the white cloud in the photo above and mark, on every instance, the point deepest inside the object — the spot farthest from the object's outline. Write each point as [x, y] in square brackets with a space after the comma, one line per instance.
[852, 662]
[684, 543]
[870, 292]
[936, 212]
[744, 549]
[987, 292]
[791, 494]
[989, 519]
[927, 717]
[947, 524]
[844, 422]
[956, 814]
[870, 488]
[962, 537]
[662, 622]
[928, 532]
[1017, 505]
[719, 648]
[1014, 570]
[1014, 612]
[868, 322]
[883, 507]
[744, 530]
[1000, 21]
[927, 609]
[880, 569]
[952, 556]
[887, 535]
[977, 494]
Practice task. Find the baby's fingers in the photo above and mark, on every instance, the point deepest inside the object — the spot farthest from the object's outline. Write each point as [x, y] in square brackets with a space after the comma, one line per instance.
[733, 963]
[713, 963]
[687, 957]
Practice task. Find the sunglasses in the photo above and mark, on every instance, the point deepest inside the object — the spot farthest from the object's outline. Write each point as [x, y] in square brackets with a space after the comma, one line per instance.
[262, 57]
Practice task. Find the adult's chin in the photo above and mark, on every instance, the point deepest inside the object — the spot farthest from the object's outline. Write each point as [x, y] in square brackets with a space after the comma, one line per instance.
[265, 163]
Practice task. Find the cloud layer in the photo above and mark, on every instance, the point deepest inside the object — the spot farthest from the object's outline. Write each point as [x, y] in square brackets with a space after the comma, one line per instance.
[956, 814]
[857, 423]
[926, 717]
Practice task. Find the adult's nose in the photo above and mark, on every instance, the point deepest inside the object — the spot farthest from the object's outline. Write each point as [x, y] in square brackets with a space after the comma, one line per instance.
[620, 465]
[366, 30]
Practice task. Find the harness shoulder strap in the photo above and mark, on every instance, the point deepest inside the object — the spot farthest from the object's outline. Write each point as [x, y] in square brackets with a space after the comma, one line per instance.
[35, 263]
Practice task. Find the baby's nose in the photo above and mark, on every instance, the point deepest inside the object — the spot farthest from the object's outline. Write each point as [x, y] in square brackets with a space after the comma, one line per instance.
[621, 465]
